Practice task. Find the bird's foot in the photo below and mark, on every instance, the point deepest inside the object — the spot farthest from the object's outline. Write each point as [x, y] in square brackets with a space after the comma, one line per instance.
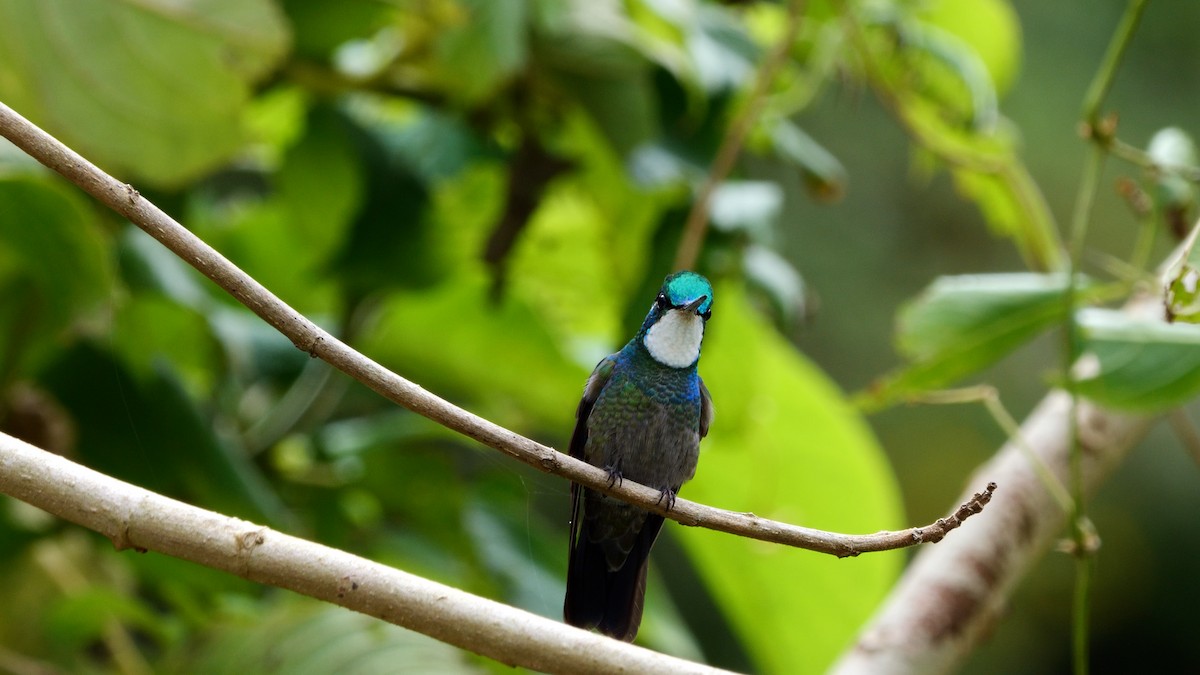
[667, 494]
[614, 475]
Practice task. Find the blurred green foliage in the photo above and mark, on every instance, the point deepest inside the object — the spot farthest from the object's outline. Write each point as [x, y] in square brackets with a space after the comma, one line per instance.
[484, 196]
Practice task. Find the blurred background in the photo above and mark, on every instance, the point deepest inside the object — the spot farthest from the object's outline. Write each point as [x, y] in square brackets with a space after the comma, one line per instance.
[902, 231]
[484, 197]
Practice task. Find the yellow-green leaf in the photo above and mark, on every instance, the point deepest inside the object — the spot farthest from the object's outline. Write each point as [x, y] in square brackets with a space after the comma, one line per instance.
[786, 445]
[153, 88]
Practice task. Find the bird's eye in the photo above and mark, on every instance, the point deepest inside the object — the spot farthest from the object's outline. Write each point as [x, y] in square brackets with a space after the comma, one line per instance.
[662, 301]
[707, 315]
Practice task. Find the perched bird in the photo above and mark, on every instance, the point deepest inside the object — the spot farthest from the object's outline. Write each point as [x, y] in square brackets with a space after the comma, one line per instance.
[643, 413]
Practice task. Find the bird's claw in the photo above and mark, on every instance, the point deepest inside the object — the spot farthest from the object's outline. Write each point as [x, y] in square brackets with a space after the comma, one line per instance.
[667, 494]
[614, 475]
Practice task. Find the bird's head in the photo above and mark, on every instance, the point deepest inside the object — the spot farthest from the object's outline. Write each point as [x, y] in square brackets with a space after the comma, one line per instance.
[674, 328]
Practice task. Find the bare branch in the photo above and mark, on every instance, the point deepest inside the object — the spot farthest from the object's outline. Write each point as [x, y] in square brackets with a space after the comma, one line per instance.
[318, 343]
[142, 520]
[952, 595]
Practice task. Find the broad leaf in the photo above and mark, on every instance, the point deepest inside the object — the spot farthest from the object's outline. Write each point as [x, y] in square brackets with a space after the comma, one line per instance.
[153, 88]
[54, 266]
[503, 351]
[785, 445]
[960, 325]
[1137, 362]
[481, 51]
[990, 28]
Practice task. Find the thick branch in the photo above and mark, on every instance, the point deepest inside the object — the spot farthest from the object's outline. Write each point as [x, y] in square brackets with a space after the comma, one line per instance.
[136, 518]
[310, 338]
[951, 596]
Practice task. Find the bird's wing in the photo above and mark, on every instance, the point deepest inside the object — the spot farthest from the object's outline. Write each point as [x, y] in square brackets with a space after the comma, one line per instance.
[579, 438]
[706, 409]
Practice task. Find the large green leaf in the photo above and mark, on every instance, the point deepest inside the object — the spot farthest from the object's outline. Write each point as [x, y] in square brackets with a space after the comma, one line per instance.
[320, 27]
[154, 88]
[320, 186]
[1137, 362]
[483, 49]
[594, 59]
[991, 29]
[960, 325]
[454, 340]
[786, 445]
[150, 329]
[941, 75]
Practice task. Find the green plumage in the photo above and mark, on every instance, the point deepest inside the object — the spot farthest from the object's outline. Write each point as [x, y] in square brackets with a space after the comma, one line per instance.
[643, 420]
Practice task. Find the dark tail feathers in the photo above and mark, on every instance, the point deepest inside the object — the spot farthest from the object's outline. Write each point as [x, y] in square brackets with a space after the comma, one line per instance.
[610, 601]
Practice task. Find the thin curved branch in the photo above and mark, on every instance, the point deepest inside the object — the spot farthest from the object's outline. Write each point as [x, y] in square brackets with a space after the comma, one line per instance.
[313, 340]
[696, 225]
[145, 521]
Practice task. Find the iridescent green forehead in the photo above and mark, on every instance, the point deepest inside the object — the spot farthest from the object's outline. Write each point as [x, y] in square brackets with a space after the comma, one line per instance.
[683, 287]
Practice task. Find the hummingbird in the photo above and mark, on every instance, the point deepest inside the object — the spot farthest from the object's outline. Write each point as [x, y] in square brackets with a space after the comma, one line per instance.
[643, 413]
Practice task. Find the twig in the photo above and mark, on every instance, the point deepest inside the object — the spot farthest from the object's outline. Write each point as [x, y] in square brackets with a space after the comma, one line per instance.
[142, 520]
[990, 398]
[696, 225]
[1037, 221]
[1100, 132]
[318, 343]
[1102, 82]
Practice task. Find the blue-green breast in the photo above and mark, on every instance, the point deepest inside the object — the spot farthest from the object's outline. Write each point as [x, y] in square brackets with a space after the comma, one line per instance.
[646, 421]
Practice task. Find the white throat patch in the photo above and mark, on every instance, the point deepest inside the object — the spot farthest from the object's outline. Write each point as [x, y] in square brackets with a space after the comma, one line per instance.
[675, 340]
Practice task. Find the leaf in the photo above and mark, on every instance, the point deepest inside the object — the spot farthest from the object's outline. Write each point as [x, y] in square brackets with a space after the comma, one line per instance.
[455, 341]
[991, 29]
[320, 27]
[143, 428]
[786, 445]
[947, 103]
[749, 205]
[824, 175]
[592, 56]
[54, 266]
[722, 55]
[390, 241]
[147, 265]
[150, 329]
[153, 88]
[1182, 292]
[299, 635]
[502, 533]
[954, 76]
[960, 325]
[320, 187]
[483, 49]
[81, 618]
[1136, 362]
[775, 279]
